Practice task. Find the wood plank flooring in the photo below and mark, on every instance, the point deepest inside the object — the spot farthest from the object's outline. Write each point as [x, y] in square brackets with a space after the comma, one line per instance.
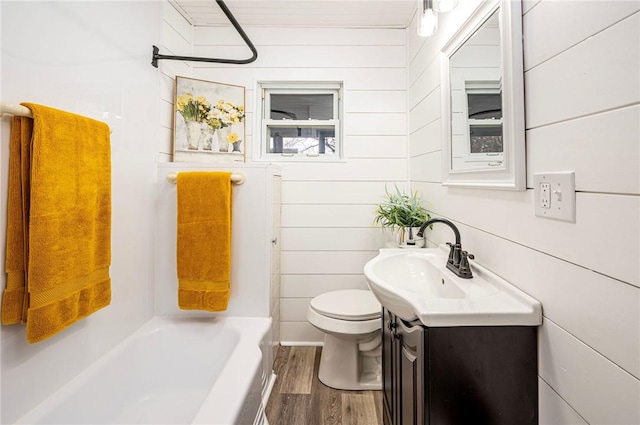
[299, 398]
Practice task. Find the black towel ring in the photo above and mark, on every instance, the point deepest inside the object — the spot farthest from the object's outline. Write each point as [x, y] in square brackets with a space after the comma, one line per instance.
[156, 56]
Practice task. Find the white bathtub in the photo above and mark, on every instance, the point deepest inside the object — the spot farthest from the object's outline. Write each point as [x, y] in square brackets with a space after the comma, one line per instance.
[170, 371]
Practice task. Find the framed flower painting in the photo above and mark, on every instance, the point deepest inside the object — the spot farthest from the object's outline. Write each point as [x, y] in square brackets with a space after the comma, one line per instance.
[209, 121]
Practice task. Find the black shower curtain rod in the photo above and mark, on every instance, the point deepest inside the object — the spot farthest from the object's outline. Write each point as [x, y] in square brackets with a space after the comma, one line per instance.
[156, 56]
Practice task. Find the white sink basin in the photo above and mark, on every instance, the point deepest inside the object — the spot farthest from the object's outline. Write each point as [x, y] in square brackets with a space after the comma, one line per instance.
[415, 284]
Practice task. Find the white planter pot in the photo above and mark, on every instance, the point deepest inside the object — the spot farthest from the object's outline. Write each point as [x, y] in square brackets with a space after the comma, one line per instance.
[405, 237]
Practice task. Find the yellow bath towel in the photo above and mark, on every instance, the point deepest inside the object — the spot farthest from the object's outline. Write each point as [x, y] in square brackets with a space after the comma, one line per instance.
[14, 300]
[204, 240]
[67, 223]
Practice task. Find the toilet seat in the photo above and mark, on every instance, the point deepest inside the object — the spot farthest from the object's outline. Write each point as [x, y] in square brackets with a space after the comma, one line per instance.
[338, 326]
[348, 304]
[348, 311]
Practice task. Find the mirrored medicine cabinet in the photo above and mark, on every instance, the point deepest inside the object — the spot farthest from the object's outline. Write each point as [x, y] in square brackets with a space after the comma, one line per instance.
[483, 100]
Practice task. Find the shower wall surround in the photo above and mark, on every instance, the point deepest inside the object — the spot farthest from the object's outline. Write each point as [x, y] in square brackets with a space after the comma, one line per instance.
[581, 106]
[90, 58]
[255, 243]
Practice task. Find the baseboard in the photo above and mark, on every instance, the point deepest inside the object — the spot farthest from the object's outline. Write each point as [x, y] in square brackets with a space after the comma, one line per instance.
[301, 344]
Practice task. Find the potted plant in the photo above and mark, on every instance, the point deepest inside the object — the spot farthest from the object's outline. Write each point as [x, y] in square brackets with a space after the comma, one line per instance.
[402, 214]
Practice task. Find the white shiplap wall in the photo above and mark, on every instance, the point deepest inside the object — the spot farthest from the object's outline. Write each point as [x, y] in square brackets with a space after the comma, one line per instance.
[582, 114]
[327, 208]
[177, 40]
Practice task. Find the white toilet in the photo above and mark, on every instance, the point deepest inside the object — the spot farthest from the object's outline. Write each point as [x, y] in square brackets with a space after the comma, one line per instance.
[351, 356]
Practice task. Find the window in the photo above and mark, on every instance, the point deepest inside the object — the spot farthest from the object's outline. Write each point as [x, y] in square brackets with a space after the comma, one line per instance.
[484, 121]
[300, 120]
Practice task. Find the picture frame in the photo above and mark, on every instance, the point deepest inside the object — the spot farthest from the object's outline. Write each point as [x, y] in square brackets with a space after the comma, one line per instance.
[209, 121]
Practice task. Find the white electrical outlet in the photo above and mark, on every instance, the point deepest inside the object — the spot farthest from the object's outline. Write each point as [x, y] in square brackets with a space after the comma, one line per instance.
[545, 195]
[555, 195]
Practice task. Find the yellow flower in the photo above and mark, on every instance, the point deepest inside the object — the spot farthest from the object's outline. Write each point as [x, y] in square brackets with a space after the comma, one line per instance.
[232, 137]
[202, 101]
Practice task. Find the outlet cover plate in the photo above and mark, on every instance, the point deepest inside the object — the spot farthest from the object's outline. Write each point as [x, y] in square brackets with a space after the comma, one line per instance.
[561, 204]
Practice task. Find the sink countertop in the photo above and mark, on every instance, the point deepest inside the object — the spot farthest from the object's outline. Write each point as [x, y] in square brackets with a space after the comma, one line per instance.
[415, 284]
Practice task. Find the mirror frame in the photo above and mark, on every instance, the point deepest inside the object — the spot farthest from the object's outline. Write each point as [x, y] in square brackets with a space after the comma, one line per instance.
[513, 175]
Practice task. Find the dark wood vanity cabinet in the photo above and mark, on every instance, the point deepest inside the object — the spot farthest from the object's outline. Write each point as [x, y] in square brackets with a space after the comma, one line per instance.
[485, 375]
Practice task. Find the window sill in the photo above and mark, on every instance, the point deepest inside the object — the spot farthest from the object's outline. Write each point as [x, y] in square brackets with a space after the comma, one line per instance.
[308, 159]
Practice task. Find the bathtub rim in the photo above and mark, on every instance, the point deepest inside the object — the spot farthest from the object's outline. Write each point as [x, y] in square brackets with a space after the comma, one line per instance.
[246, 355]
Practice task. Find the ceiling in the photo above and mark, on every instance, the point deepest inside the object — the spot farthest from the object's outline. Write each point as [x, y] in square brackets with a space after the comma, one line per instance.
[301, 13]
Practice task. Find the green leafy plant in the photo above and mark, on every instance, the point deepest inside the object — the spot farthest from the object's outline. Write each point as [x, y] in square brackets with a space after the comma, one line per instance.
[400, 210]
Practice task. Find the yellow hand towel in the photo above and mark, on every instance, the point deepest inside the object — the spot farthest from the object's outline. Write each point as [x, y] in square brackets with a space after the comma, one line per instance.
[68, 221]
[204, 240]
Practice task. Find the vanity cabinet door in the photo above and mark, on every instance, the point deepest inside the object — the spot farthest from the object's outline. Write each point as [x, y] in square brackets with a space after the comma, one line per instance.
[390, 348]
[485, 375]
[412, 400]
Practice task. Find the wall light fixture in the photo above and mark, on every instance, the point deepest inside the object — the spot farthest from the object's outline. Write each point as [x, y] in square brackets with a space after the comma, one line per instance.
[428, 19]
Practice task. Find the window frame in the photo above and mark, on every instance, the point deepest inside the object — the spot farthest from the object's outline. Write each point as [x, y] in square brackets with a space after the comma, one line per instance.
[264, 121]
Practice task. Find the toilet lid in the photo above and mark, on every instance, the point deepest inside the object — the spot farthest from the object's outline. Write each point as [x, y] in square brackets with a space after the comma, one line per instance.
[348, 304]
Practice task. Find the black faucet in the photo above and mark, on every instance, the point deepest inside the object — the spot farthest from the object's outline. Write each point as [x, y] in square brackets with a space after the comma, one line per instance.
[458, 261]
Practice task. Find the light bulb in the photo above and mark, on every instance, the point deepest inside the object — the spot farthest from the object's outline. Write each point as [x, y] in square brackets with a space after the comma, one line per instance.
[428, 23]
[444, 6]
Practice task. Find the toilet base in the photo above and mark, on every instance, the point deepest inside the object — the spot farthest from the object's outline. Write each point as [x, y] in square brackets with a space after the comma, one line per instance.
[344, 367]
